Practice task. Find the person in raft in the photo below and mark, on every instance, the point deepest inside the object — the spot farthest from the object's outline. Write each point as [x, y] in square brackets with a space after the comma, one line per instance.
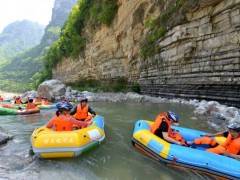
[1, 98]
[83, 112]
[18, 100]
[37, 100]
[231, 146]
[30, 104]
[63, 121]
[45, 101]
[162, 128]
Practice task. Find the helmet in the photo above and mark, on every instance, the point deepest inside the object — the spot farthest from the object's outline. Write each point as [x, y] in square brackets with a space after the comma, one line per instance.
[234, 126]
[173, 116]
[82, 99]
[30, 98]
[64, 106]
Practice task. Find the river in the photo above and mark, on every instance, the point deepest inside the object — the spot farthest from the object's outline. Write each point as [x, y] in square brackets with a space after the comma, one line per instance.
[114, 159]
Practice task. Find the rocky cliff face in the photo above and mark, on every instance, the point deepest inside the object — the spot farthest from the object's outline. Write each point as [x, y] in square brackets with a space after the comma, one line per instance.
[60, 12]
[198, 59]
[113, 51]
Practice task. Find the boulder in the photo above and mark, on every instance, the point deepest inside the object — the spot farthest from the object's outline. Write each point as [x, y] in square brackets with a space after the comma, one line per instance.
[29, 94]
[4, 137]
[51, 89]
[68, 89]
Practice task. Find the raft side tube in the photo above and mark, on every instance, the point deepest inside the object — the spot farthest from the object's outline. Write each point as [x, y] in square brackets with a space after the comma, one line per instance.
[47, 143]
[194, 158]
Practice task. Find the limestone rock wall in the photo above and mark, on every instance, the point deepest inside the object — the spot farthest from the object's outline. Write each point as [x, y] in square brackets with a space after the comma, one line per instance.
[113, 51]
[198, 59]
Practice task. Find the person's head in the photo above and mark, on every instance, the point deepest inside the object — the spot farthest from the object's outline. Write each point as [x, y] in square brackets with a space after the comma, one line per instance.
[30, 100]
[234, 129]
[63, 108]
[83, 101]
[174, 118]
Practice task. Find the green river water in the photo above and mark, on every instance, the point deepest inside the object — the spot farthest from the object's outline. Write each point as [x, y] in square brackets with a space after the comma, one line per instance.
[114, 159]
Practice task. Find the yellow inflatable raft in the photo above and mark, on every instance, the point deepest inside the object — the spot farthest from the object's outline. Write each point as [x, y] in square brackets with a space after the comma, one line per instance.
[47, 143]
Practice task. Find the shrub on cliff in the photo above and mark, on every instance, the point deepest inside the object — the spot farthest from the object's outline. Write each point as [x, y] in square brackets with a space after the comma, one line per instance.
[117, 85]
[172, 15]
[86, 14]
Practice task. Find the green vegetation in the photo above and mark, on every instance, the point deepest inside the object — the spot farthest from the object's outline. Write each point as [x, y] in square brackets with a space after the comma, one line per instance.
[72, 41]
[15, 38]
[173, 15]
[118, 85]
[54, 30]
[13, 86]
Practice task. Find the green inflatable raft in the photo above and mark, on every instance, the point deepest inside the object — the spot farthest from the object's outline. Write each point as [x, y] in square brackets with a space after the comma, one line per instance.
[9, 111]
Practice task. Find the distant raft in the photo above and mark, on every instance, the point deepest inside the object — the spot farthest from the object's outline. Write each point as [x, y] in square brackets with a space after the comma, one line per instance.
[194, 158]
[50, 106]
[13, 111]
[47, 143]
[17, 106]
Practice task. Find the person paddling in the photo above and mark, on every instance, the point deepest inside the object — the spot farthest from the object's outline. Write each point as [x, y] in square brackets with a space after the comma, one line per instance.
[63, 121]
[162, 128]
[45, 101]
[30, 105]
[82, 111]
[18, 100]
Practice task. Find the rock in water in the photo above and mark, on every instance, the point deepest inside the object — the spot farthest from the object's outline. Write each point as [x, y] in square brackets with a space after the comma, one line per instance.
[51, 89]
[4, 137]
[29, 94]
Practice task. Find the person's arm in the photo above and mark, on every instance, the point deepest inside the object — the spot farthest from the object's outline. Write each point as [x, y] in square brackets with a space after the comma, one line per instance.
[50, 123]
[169, 139]
[216, 134]
[73, 111]
[91, 111]
[79, 124]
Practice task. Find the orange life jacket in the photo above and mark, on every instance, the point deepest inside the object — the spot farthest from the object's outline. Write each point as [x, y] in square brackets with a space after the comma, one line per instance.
[232, 145]
[45, 102]
[82, 113]
[171, 133]
[205, 140]
[18, 101]
[61, 123]
[37, 101]
[31, 106]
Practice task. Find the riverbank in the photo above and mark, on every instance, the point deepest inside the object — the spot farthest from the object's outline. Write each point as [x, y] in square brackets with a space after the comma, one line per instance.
[217, 114]
[8, 95]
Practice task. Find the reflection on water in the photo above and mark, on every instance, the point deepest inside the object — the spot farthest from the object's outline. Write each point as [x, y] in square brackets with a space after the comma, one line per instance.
[114, 159]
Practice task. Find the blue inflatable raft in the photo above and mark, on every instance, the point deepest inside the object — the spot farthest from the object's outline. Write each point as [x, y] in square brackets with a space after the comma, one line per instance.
[194, 158]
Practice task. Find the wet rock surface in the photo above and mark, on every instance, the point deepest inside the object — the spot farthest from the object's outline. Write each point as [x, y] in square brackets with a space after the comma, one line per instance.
[51, 89]
[218, 115]
[29, 94]
[4, 137]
